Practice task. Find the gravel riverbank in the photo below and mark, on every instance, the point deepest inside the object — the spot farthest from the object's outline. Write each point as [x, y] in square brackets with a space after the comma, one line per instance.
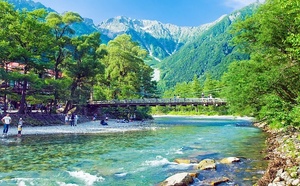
[83, 128]
[283, 154]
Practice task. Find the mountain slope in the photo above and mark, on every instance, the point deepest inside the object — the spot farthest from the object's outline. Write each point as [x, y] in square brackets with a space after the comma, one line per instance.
[182, 51]
[86, 27]
[28, 4]
[210, 53]
[160, 40]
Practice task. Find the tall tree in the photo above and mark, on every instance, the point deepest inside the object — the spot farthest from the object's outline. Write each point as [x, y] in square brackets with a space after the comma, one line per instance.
[182, 90]
[196, 87]
[126, 74]
[271, 36]
[83, 67]
[62, 31]
[30, 37]
[7, 17]
[211, 86]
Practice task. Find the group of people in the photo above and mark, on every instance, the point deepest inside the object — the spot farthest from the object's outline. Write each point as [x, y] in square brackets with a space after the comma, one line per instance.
[71, 119]
[6, 120]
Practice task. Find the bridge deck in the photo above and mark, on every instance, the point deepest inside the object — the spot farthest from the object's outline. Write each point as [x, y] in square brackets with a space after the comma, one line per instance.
[159, 102]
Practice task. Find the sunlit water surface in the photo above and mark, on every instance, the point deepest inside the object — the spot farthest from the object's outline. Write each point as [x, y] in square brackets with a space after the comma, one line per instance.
[135, 158]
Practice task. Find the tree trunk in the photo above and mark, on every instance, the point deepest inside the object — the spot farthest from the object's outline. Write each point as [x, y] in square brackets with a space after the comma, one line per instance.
[70, 101]
[5, 90]
[67, 107]
[22, 108]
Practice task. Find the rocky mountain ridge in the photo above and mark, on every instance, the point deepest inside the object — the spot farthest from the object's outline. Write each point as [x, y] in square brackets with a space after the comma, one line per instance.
[157, 29]
[159, 39]
[152, 34]
[177, 53]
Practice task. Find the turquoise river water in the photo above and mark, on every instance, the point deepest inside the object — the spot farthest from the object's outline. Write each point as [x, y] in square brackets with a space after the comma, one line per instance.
[136, 158]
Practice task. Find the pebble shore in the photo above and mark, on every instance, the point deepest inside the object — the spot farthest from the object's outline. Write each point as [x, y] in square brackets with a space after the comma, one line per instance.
[83, 128]
[283, 154]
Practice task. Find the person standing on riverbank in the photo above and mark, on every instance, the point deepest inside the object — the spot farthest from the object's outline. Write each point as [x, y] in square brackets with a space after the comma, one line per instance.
[75, 119]
[66, 119]
[6, 120]
[20, 126]
[72, 119]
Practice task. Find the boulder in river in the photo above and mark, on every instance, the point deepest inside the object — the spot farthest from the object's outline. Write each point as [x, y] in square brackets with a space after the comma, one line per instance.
[207, 164]
[230, 160]
[179, 179]
[215, 181]
[184, 161]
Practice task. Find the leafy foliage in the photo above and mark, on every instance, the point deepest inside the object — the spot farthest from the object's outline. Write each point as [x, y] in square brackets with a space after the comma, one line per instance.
[267, 86]
[28, 38]
[126, 74]
[210, 53]
[56, 66]
[193, 89]
[84, 65]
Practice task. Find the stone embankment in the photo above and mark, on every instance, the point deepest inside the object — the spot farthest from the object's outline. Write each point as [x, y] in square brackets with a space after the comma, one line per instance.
[283, 154]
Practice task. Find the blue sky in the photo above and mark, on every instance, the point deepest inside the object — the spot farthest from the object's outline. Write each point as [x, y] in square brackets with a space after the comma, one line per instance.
[178, 12]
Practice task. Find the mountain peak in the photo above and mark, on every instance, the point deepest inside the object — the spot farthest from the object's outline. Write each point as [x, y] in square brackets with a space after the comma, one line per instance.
[123, 19]
[153, 35]
[123, 24]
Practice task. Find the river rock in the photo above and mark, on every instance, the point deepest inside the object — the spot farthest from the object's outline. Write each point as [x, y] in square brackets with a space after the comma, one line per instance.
[276, 180]
[229, 160]
[184, 161]
[215, 181]
[285, 176]
[179, 179]
[206, 164]
[296, 182]
[279, 172]
[219, 180]
[282, 183]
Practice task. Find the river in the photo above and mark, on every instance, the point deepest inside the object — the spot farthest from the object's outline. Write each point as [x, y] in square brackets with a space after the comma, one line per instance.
[136, 158]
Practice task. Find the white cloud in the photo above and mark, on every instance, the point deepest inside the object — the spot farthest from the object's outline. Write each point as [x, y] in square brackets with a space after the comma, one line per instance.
[237, 4]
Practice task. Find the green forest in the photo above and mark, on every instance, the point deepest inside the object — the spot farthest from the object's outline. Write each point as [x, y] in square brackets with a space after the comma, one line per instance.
[264, 84]
[259, 76]
[211, 52]
[267, 85]
[57, 67]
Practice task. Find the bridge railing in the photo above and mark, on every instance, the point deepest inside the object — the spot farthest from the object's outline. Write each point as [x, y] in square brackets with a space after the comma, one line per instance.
[162, 100]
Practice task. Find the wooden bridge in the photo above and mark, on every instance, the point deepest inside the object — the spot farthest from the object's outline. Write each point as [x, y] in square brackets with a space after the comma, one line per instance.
[159, 102]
